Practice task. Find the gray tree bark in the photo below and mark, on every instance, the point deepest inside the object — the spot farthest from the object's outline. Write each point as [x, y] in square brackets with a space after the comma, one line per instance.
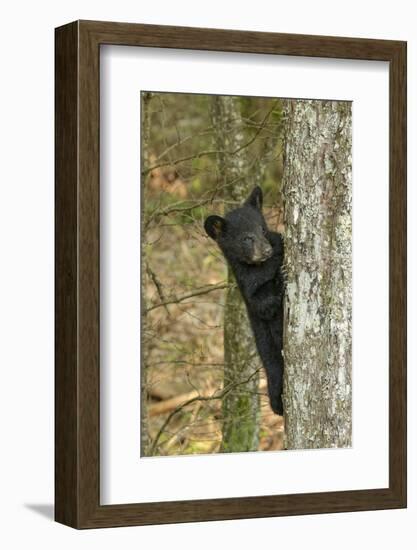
[240, 406]
[317, 188]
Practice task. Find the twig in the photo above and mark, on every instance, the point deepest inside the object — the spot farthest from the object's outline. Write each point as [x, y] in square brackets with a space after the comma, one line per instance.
[190, 363]
[169, 404]
[183, 140]
[261, 126]
[225, 391]
[170, 209]
[197, 292]
[180, 160]
[214, 151]
[158, 286]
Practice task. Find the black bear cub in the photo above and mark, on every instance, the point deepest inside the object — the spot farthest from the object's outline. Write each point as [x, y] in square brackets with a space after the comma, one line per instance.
[255, 256]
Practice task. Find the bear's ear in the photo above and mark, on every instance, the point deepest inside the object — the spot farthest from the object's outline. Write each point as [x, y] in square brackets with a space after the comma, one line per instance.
[255, 198]
[215, 226]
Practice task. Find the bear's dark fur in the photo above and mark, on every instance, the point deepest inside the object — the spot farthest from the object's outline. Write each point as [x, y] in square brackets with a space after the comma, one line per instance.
[255, 256]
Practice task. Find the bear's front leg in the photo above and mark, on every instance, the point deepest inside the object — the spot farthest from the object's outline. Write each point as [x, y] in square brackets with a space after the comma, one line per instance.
[268, 308]
[265, 307]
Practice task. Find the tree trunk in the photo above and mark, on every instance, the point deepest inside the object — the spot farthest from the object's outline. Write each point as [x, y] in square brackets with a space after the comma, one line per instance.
[240, 407]
[317, 190]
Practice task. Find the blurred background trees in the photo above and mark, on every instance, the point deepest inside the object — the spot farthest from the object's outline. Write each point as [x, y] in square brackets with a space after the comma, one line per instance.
[203, 390]
[240, 406]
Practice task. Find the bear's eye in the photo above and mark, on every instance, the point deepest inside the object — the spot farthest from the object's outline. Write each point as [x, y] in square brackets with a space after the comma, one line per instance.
[264, 231]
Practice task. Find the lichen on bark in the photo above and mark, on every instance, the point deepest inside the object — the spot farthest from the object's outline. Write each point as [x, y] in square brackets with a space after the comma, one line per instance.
[317, 190]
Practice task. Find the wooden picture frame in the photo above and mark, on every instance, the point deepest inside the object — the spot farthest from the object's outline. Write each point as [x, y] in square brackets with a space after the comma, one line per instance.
[77, 374]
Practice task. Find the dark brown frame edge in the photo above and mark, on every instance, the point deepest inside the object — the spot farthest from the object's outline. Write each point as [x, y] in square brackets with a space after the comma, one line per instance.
[77, 274]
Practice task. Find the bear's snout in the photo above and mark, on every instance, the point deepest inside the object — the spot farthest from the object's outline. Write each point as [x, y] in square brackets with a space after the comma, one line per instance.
[262, 253]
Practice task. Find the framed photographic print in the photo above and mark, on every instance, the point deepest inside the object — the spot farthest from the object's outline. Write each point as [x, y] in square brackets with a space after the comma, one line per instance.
[230, 274]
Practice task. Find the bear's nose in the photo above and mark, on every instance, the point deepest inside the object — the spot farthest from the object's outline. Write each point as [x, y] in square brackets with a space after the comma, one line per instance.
[267, 251]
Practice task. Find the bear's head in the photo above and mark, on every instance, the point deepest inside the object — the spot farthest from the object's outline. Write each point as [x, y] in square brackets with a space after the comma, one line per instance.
[242, 234]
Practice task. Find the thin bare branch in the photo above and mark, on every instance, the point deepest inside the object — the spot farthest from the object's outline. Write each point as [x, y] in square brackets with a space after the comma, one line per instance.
[196, 292]
[180, 160]
[158, 286]
[220, 395]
